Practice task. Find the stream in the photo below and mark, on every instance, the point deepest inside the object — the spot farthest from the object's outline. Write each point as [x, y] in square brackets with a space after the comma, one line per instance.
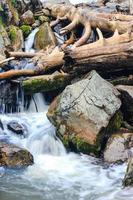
[56, 174]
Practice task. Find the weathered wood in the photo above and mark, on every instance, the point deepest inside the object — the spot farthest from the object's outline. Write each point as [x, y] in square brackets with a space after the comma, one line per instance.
[89, 19]
[45, 83]
[5, 61]
[16, 73]
[24, 54]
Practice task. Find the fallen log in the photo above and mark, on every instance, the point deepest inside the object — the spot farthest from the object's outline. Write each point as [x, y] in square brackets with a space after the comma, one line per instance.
[104, 59]
[45, 83]
[110, 58]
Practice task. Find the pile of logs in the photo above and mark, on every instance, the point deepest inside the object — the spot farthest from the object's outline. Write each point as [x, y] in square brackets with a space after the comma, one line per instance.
[105, 54]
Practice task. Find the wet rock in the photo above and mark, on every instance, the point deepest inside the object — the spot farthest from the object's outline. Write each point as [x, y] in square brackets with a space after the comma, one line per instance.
[8, 96]
[128, 179]
[84, 114]
[127, 102]
[44, 37]
[16, 37]
[4, 39]
[17, 128]
[14, 157]
[118, 147]
[27, 18]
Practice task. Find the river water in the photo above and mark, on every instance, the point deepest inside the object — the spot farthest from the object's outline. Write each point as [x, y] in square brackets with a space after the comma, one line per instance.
[56, 174]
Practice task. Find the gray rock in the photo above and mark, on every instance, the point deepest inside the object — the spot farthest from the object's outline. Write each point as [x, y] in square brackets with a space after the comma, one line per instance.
[83, 111]
[118, 147]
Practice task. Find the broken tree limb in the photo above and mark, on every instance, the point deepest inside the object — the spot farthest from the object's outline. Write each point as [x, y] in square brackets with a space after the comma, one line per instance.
[24, 54]
[6, 61]
[16, 73]
[45, 83]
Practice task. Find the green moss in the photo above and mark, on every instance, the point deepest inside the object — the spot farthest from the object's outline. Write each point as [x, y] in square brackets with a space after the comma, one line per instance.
[42, 85]
[26, 29]
[14, 3]
[76, 143]
[115, 123]
[12, 33]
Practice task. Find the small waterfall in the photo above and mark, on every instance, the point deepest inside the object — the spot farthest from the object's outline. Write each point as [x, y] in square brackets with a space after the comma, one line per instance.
[30, 41]
[37, 103]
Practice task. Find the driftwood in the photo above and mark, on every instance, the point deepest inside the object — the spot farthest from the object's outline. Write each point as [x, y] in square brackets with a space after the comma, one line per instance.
[104, 55]
[90, 20]
[45, 83]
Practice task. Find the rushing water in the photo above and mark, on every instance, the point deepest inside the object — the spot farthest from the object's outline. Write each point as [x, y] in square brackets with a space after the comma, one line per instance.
[56, 174]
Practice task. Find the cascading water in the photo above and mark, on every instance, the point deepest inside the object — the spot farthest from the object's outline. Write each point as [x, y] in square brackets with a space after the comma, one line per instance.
[55, 174]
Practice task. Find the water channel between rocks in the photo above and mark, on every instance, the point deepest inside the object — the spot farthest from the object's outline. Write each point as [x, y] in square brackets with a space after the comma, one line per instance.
[56, 174]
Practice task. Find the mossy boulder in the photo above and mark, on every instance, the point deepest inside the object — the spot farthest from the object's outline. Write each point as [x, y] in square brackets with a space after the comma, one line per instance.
[86, 113]
[27, 18]
[26, 29]
[16, 37]
[44, 37]
[4, 39]
[14, 157]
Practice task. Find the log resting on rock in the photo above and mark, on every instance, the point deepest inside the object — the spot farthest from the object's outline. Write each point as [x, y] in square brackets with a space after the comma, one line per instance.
[45, 83]
[89, 19]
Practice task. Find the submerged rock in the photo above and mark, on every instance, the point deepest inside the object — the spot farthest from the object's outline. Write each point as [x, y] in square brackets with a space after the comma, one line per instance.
[44, 37]
[128, 179]
[118, 147]
[14, 157]
[17, 128]
[127, 102]
[83, 111]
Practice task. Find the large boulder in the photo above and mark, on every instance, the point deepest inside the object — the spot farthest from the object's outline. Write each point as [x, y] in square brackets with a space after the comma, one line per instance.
[14, 157]
[83, 111]
[127, 102]
[44, 37]
[118, 147]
